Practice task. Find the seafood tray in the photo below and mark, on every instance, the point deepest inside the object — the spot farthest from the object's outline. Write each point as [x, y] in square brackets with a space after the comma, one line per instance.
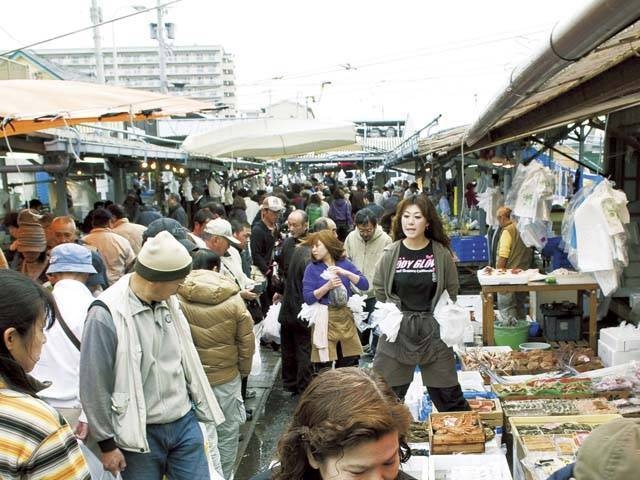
[545, 388]
[489, 409]
[456, 433]
[549, 438]
[532, 362]
[554, 407]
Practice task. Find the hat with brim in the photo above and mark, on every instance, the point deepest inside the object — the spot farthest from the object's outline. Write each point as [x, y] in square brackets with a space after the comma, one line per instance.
[219, 227]
[273, 203]
[70, 258]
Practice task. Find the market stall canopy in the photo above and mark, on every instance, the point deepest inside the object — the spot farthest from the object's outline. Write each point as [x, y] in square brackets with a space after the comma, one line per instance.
[30, 105]
[589, 66]
[270, 137]
[442, 142]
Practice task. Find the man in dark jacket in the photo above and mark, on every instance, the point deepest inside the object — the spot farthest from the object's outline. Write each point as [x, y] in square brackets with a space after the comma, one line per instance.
[294, 334]
[263, 240]
[175, 209]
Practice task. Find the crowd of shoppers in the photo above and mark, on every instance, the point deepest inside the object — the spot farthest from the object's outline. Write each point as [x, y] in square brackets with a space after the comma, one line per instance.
[149, 323]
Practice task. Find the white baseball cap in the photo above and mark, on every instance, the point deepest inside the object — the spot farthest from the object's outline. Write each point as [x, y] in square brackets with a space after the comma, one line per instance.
[273, 203]
[221, 228]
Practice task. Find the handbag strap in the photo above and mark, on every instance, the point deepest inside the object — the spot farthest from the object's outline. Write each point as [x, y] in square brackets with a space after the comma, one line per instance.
[70, 335]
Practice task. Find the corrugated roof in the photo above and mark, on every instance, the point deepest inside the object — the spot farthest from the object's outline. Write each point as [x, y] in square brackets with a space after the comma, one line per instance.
[605, 80]
[610, 53]
[442, 142]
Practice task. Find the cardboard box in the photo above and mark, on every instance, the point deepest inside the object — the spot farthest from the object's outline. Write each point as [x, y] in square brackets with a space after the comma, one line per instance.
[621, 339]
[519, 472]
[611, 357]
[497, 461]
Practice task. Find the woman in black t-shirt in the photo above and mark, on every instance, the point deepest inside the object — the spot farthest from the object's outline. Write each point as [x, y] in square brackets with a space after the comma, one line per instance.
[412, 273]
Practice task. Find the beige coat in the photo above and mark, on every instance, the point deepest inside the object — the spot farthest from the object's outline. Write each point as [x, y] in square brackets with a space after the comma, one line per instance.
[221, 326]
[116, 252]
[365, 255]
[131, 231]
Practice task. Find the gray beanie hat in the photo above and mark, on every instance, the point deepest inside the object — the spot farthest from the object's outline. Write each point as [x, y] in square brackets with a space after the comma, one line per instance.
[163, 259]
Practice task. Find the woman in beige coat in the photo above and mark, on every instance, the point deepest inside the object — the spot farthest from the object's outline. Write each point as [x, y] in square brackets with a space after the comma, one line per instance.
[222, 331]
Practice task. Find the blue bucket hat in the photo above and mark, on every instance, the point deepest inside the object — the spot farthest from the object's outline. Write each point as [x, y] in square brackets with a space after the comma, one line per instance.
[70, 257]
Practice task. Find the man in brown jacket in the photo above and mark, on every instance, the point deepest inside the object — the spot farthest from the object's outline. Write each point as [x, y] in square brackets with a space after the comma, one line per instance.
[222, 331]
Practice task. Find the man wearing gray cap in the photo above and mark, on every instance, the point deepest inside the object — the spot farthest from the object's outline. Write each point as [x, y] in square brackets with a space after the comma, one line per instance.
[142, 385]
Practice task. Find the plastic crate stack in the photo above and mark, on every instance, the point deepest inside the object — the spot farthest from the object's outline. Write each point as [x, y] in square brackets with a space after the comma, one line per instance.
[472, 249]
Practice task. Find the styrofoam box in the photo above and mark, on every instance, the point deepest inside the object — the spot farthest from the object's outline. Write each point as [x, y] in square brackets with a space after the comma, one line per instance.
[611, 357]
[621, 339]
[418, 465]
[438, 462]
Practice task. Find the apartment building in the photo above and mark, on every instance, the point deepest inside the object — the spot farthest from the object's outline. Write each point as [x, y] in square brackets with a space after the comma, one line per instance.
[204, 73]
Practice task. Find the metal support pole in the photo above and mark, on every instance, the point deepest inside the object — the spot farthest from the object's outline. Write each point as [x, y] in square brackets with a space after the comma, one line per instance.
[161, 50]
[114, 55]
[96, 15]
[61, 193]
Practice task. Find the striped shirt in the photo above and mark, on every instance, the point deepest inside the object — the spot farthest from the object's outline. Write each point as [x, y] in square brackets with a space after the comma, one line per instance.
[35, 441]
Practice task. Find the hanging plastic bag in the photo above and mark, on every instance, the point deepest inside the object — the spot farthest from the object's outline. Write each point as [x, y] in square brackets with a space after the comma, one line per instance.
[96, 470]
[271, 326]
[256, 361]
[356, 305]
[387, 317]
[338, 296]
[453, 320]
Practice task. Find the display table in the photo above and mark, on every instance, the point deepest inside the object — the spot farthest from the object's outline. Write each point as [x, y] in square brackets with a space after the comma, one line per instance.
[488, 316]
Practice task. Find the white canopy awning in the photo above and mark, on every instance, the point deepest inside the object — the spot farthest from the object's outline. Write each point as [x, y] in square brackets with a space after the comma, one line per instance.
[271, 137]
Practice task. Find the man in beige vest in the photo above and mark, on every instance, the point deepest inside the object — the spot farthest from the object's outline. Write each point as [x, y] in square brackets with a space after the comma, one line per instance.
[512, 254]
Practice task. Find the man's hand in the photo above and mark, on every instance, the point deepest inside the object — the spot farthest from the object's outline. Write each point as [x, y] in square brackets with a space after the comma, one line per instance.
[113, 461]
[276, 298]
[248, 294]
[81, 431]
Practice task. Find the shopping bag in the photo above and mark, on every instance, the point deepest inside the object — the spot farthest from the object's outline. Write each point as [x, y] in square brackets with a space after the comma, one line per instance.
[387, 317]
[453, 320]
[96, 469]
[271, 326]
[256, 362]
[356, 305]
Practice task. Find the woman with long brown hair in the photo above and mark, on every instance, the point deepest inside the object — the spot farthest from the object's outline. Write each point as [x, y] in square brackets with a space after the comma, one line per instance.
[327, 281]
[348, 424]
[412, 273]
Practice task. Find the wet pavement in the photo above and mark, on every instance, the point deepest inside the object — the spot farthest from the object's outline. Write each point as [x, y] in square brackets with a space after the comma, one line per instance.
[272, 410]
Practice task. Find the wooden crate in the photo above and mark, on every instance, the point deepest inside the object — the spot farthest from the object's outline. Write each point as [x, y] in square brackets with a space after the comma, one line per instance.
[519, 451]
[491, 419]
[444, 444]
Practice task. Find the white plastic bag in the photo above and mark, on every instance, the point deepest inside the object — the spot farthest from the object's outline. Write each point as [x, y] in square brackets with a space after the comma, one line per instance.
[96, 470]
[356, 305]
[453, 320]
[387, 317]
[256, 361]
[338, 296]
[271, 326]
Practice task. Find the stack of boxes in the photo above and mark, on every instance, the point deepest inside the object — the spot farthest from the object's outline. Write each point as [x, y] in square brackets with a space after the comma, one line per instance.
[618, 345]
[472, 249]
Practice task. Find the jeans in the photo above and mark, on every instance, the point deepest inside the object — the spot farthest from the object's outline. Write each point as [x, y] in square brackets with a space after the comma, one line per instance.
[176, 450]
[229, 398]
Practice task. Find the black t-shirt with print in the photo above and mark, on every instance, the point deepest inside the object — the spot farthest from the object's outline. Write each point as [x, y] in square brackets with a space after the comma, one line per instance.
[415, 278]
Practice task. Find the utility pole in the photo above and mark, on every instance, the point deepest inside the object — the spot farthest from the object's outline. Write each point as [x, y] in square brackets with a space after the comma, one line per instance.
[96, 18]
[161, 50]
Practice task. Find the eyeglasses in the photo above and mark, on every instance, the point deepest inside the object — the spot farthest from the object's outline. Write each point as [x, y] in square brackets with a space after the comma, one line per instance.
[365, 230]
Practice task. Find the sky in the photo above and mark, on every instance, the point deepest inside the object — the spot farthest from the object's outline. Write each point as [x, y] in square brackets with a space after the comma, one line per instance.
[402, 60]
